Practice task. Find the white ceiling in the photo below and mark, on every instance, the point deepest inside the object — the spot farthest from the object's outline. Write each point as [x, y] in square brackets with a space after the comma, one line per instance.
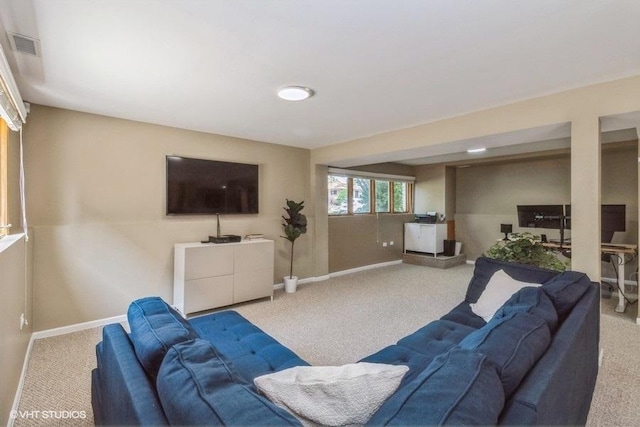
[375, 65]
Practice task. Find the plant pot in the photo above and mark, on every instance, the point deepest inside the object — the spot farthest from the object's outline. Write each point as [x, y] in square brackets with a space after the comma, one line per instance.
[290, 284]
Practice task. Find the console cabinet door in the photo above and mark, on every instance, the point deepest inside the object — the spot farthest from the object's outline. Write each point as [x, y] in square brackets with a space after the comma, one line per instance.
[208, 261]
[253, 277]
[207, 293]
[412, 237]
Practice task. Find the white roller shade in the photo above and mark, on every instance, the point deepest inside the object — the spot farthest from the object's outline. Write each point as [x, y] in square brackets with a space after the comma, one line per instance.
[12, 108]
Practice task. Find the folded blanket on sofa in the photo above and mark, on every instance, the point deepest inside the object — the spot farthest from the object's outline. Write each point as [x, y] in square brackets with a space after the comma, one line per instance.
[332, 395]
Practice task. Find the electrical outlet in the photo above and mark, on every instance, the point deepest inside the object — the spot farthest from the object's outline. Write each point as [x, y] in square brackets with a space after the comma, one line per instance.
[384, 244]
[23, 321]
[391, 243]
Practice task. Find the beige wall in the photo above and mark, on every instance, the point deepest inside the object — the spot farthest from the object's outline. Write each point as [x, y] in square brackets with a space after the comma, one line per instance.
[578, 106]
[96, 197]
[15, 292]
[430, 189]
[357, 240]
[487, 195]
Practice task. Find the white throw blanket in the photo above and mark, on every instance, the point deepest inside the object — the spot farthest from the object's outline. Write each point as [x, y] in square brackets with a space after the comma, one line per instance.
[332, 395]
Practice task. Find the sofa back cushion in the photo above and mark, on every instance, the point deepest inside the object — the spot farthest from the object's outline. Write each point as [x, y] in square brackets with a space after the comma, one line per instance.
[198, 387]
[485, 267]
[514, 343]
[534, 301]
[155, 328]
[460, 387]
[436, 337]
[498, 290]
[565, 290]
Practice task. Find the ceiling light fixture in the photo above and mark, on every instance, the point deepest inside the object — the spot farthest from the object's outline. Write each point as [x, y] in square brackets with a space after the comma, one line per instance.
[295, 93]
[476, 150]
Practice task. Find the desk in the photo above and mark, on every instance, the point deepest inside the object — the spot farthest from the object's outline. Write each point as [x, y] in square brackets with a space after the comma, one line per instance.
[615, 249]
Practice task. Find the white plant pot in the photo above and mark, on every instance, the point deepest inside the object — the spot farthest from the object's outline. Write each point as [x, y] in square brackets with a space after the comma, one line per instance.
[290, 284]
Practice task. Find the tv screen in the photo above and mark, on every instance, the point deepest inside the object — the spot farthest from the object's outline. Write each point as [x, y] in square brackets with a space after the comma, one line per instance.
[208, 187]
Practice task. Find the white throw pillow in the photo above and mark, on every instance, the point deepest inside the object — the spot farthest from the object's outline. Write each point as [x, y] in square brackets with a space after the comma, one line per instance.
[332, 395]
[500, 288]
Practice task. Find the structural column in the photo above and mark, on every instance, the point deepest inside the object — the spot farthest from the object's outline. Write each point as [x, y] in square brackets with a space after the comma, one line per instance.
[585, 196]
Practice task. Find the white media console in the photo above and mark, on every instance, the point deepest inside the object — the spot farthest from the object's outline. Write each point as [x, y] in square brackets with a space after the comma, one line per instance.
[208, 275]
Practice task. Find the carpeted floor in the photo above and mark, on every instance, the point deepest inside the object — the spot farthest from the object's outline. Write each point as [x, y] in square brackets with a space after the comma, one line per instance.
[334, 322]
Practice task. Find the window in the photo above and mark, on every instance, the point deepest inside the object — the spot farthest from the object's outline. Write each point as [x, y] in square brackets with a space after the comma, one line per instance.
[351, 193]
[4, 136]
[400, 197]
[361, 195]
[382, 196]
[338, 195]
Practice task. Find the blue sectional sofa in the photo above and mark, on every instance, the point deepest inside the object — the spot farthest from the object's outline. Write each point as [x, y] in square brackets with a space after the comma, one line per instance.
[534, 362]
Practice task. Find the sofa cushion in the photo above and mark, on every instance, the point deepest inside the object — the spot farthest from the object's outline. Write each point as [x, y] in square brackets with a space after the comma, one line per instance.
[485, 267]
[437, 337]
[534, 301]
[197, 387]
[332, 395]
[155, 327]
[399, 355]
[253, 352]
[460, 387]
[565, 290]
[498, 290]
[463, 315]
[514, 343]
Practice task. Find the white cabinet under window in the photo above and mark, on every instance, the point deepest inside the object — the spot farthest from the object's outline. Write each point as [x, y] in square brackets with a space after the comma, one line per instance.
[427, 238]
[208, 276]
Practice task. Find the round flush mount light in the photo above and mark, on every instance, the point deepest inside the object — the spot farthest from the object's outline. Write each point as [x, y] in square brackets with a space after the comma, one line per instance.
[295, 93]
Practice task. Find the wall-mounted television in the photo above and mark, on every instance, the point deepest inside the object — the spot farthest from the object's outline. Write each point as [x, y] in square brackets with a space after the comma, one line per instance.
[209, 187]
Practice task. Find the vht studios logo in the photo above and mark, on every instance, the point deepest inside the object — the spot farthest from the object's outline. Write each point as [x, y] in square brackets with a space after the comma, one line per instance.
[49, 415]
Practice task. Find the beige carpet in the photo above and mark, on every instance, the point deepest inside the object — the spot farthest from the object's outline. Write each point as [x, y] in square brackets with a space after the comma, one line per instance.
[330, 323]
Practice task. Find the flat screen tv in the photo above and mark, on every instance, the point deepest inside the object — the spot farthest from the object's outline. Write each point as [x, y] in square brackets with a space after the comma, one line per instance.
[209, 187]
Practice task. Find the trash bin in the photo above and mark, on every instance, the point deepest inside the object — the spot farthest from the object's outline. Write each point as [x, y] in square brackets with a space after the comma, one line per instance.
[449, 247]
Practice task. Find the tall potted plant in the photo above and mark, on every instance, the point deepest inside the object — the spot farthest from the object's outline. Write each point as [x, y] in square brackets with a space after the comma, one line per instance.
[295, 225]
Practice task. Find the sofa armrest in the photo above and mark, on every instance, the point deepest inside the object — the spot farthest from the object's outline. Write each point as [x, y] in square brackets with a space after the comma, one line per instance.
[122, 393]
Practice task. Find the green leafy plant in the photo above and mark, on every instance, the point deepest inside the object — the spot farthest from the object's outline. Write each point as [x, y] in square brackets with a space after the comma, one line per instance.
[294, 224]
[525, 248]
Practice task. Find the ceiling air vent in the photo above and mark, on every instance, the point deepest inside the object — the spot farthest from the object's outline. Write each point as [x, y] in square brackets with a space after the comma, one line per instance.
[24, 44]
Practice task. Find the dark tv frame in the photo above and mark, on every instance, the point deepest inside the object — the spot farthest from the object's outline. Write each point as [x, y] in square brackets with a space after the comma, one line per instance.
[219, 169]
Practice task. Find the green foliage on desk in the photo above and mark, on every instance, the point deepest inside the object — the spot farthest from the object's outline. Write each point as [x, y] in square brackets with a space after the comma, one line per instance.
[525, 248]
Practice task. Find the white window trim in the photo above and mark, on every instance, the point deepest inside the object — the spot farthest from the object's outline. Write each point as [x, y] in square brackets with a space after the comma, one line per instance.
[370, 175]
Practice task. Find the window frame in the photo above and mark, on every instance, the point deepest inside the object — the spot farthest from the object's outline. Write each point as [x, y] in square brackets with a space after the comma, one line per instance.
[372, 178]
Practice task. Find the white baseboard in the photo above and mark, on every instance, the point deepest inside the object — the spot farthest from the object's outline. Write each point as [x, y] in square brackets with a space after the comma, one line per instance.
[52, 333]
[77, 327]
[16, 399]
[365, 267]
[341, 273]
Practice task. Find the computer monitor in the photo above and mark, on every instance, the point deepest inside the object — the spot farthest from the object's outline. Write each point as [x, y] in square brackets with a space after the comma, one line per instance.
[612, 219]
[540, 216]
